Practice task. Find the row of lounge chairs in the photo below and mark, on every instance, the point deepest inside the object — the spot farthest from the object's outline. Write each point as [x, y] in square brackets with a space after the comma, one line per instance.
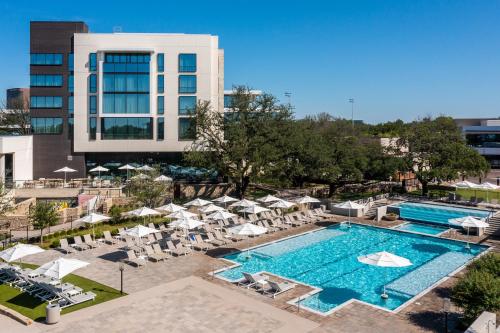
[264, 284]
[42, 287]
[79, 244]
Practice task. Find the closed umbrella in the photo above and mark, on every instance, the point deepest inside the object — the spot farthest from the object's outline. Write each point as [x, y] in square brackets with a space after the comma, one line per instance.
[268, 199]
[211, 208]
[93, 218]
[65, 170]
[197, 202]
[349, 205]
[247, 229]
[99, 169]
[19, 251]
[127, 167]
[384, 259]
[171, 208]
[469, 222]
[59, 268]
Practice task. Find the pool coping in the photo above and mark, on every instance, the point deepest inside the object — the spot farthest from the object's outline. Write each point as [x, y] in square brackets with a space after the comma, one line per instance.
[296, 301]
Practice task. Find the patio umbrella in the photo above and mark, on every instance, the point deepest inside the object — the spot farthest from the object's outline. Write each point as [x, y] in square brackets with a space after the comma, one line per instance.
[171, 208]
[268, 199]
[282, 204]
[488, 187]
[145, 167]
[99, 169]
[244, 203]
[467, 185]
[143, 211]
[384, 259]
[469, 222]
[197, 202]
[182, 214]
[254, 210]
[221, 215]
[19, 251]
[163, 178]
[187, 224]
[225, 200]
[65, 170]
[211, 208]
[127, 167]
[306, 200]
[140, 176]
[93, 218]
[138, 231]
[349, 205]
[247, 229]
[59, 268]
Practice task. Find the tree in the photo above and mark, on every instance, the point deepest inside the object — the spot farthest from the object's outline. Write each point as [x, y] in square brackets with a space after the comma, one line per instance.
[43, 215]
[244, 142]
[16, 117]
[6, 200]
[435, 150]
[148, 192]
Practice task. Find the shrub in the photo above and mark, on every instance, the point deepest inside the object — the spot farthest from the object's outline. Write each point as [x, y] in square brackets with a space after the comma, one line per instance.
[54, 243]
[115, 213]
[476, 292]
[488, 263]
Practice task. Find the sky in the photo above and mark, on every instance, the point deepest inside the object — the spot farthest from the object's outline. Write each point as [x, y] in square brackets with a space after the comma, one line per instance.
[397, 58]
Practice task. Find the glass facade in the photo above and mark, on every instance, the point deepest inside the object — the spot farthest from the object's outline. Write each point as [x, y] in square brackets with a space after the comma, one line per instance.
[92, 128]
[160, 131]
[160, 62]
[187, 63]
[483, 140]
[71, 105]
[126, 103]
[126, 128]
[161, 84]
[43, 80]
[71, 62]
[52, 125]
[46, 102]
[160, 105]
[93, 104]
[187, 84]
[92, 62]
[92, 83]
[71, 83]
[187, 128]
[187, 105]
[46, 59]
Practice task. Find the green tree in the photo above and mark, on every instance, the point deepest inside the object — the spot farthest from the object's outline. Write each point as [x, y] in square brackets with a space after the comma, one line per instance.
[435, 150]
[148, 192]
[43, 215]
[243, 143]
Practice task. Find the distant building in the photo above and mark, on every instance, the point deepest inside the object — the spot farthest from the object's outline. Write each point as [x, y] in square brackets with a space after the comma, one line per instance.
[483, 134]
[15, 95]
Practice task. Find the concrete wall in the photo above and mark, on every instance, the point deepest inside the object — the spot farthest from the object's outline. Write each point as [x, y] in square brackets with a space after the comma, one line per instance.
[485, 323]
[22, 149]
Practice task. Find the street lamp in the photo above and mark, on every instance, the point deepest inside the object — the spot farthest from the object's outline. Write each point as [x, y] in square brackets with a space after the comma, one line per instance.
[121, 267]
[446, 311]
[351, 100]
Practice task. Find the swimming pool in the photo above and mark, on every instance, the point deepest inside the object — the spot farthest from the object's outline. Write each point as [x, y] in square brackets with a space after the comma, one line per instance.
[439, 214]
[421, 228]
[327, 259]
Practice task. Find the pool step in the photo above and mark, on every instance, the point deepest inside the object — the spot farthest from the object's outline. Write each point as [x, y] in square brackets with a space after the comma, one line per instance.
[494, 228]
[428, 274]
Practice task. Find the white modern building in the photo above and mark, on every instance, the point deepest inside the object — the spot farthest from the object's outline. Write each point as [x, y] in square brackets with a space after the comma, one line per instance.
[483, 134]
[16, 159]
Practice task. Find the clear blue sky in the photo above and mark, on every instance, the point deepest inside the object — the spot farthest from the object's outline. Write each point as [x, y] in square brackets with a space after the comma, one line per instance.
[398, 58]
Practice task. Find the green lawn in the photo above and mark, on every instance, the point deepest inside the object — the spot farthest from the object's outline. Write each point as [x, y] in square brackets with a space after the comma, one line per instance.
[35, 309]
[485, 195]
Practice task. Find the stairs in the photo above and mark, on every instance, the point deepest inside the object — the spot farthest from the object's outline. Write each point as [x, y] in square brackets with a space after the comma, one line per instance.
[494, 228]
[372, 211]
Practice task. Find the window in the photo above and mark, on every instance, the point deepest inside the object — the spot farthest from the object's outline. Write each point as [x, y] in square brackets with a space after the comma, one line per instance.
[126, 83]
[160, 105]
[46, 59]
[160, 130]
[187, 84]
[46, 125]
[126, 103]
[187, 63]
[42, 80]
[92, 62]
[71, 62]
[92, 83]
[187, 128]
[71, 83]
[187, 105]
[126, 63]
[126, 128]
[71, 105]
[161, 84]
[46, 102]
[92, 104]
[160, 62]
[92, 128]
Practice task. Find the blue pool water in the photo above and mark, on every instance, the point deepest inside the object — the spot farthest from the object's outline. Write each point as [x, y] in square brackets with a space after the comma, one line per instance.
[422, 228]
[327, 259]
[439, 214]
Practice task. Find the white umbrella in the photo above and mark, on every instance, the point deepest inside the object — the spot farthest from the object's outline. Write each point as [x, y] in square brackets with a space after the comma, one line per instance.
[127, 167]
[384, 259]
[306, 200]
[465, 184]
[221, 215]
[197, 202]
[225, 200]
[349, 205]
[187, 223]
[140, 176]
[163, 178]
[171, 208]
[99, 169]
[93, 218]
[469, 222]
[59, 268]
[282, 204]
[211, 208]
[143, 211]
[254, 210]
[487, 186]
[247, 229]
[145, 167]
[244, 203]
[19, 251]
[65, 170]
[182, 214]
[268, 198]
[138, 231]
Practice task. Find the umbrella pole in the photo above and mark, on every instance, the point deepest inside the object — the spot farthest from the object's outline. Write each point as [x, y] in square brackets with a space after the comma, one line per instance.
[467, 246]
[384, 294]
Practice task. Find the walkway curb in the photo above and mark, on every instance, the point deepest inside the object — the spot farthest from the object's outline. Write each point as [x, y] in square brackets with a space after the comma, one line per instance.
[15, 315]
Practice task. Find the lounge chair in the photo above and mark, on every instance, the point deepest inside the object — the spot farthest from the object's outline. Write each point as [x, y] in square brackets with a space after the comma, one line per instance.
[212, 240]
[158, 250]
[152, 255]
[151, 225]
[88, 240]
[270, 228]
[79, 244]
[64, 246]
[200, 243]
[251, 280]
[108, 238]
[133, 259]
[177, 250]
[131, 245]
[276, 288]
[151, 239]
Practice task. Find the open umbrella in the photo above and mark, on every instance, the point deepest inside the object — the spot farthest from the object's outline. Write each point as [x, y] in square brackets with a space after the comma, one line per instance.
[138, 231]
[145, 167]
[65, 170]
[197, 202]
[187, 224]
[247, 229]
[225, 200]
[163, 178]
[282, 204]
[268, 198]
[182, 214]
[99, 169]
[93, 218]
[466, 184]
[140, 176]
[306, 200]
[221, 215]
[349, 205]
[19, 251]
[469, 222]
[171, 208]
[59, 268]
[488, 187]
[244, 203]
[384, 259]
[127, 167]
[210, 208]
[143, 211]
[253, 210]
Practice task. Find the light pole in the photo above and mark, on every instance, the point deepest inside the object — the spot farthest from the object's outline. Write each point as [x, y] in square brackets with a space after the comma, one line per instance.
[121, 267]
[446, 310]
[351, 100]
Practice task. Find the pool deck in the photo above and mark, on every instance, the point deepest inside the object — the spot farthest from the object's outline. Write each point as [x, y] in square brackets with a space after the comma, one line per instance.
[180, 295]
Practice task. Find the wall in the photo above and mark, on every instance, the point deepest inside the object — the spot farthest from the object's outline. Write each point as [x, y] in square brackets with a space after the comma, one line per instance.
[22, 149]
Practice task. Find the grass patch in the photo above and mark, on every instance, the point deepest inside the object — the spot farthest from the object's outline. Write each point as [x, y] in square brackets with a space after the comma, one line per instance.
[33, 308]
